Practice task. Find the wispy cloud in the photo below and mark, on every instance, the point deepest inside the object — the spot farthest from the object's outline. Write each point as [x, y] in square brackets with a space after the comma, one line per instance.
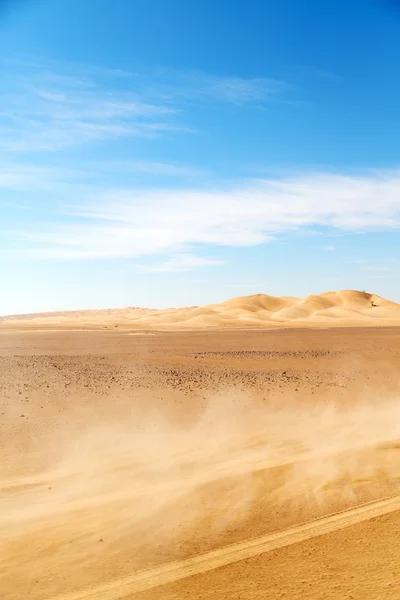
[45, 111]
[25, 175]
[159, 168]
[180, 263]
[31, 176]
[100, 210]
[318, 73]
[52, 107]
[197, 86]
[135, 222]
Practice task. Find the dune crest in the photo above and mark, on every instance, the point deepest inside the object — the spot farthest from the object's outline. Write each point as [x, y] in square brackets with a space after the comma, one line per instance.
[329, 309]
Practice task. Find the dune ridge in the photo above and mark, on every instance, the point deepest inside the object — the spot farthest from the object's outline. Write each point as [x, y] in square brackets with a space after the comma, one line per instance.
[329, 309]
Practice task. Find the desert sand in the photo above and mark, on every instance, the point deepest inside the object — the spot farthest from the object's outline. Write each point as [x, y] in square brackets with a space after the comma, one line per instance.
[347, 307]
[202, 462]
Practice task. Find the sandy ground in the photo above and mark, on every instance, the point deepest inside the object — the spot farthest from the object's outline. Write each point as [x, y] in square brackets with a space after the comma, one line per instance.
[203, 464]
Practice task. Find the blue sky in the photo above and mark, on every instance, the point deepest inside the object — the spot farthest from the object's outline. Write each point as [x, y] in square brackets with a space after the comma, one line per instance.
[167, 153]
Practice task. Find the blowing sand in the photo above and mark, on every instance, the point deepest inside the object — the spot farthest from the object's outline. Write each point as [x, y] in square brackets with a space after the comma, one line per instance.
[203, 464]
[345, 308]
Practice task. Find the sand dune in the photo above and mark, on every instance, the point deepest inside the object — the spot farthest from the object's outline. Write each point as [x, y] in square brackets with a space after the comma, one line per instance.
[344, 308]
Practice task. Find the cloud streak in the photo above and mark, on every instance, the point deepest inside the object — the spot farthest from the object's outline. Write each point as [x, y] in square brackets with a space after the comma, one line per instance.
[159, 168]
[102, 210]
[130, 223]
[48, 108]
[198, 87]
[45, 111]
[31, 177]
[180, 263]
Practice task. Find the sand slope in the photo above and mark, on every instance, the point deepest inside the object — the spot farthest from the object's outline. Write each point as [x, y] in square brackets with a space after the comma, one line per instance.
[344, 308]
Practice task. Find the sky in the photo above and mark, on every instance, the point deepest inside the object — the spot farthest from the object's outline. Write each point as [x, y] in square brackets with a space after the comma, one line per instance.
[171, 153]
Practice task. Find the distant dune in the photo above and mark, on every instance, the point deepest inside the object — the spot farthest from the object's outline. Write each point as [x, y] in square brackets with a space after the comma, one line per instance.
[330, 309]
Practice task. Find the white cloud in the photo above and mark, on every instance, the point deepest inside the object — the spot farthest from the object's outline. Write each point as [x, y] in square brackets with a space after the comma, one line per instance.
[197, 86]
[52, 108]
[56, 106]
[42, 111]
[29, 177]
[133, 223]
[159, 168]
[180, 263]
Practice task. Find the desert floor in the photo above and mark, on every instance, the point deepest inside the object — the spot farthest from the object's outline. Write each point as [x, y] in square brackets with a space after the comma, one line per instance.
[211, 464]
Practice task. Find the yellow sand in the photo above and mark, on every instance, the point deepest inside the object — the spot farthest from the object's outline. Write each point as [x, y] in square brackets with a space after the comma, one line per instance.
[344, 308]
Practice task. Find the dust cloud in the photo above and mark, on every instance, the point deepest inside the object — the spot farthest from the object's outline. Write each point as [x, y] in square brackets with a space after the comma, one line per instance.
[126, 494]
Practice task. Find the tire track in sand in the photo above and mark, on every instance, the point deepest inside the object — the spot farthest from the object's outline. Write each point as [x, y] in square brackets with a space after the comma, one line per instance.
[201, 563]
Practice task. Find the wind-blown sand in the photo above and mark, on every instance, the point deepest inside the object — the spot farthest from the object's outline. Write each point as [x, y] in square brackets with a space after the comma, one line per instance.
[204, 464]
[331, 309]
